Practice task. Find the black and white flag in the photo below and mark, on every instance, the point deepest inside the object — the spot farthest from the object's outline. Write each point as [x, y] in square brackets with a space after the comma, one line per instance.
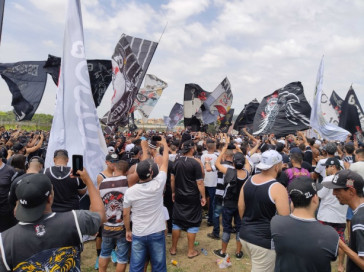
[246, 116]
[226, 122]
[26, 81]
[130, 62]
[174, 117]
[283, 112]
[99, 70]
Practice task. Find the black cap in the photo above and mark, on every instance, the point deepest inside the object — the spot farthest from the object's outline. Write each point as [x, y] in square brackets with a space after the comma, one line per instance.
[112, 157]
[303, 187]
[18, 147]
[187, 146]
[60, 152]
[135, 150]
[145, 168]
[32, 192]
[332, 161]
[345, 179]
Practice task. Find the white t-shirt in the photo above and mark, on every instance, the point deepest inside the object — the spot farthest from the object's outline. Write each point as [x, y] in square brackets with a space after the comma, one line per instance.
[210, 177]
[321, 168]
[330, 209]
[358, 167]
[146, 202]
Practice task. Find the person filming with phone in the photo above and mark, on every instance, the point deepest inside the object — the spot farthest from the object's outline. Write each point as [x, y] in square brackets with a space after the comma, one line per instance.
[67, 189]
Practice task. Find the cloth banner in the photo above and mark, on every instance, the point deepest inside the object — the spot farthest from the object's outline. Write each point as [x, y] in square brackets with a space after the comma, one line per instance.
[352, 116]
[226, 121]
[130, 62]
[99, 71]
[148, 96]
[26, 81]
[336, 102]
[76, 126]
[218, 103]
[246, 116]
[174, 117]
[328, 111]
[194, 97]
[326, 130]
[283, 112]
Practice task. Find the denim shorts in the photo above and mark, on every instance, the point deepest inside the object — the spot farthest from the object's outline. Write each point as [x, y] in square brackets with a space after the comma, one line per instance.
[122, 248]
[189, 230]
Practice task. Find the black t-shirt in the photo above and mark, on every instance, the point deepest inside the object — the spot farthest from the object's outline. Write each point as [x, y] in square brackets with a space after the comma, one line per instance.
[6, 173]
[303, 245]
[356, 237]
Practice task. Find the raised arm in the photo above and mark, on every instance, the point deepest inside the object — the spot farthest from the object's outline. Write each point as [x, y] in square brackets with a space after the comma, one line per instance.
[164, 166]
[251, 137]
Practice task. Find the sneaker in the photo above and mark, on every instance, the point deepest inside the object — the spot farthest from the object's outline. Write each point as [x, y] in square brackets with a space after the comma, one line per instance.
[213, 236]
[239, 255]
[113, 256]
[218, 253]
[97, 264]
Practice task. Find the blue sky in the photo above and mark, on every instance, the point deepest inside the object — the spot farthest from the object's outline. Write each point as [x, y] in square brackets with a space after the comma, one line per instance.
[259, 45]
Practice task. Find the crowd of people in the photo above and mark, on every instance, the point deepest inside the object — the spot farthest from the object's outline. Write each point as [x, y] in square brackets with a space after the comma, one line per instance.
[288, 200]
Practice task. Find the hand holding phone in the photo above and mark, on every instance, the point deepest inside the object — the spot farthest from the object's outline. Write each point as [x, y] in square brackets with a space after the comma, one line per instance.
[77, 164]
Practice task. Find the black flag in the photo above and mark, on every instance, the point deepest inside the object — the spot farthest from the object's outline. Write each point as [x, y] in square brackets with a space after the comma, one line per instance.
[352, 116]
[246, 116]
[194, 96]
[99, 71]
[26, 81]
[283, 112]
[336, 101]
[226, 121]
[175, 116]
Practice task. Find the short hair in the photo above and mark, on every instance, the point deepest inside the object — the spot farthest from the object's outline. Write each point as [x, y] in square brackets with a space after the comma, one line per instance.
[360, 152]
[18, 161]
[311, 141]
[122, 166]
[229, 153]
[211, 146]
[297, 157]
[302, 147]
[349, 148]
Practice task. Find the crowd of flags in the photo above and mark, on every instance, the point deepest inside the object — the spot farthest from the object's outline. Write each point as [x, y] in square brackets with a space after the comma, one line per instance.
[282, 112]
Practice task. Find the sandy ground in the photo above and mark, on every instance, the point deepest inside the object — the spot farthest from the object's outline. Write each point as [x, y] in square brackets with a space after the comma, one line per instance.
[199, 264]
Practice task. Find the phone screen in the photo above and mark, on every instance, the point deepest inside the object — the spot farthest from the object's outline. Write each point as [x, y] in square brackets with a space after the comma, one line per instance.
[77, 163]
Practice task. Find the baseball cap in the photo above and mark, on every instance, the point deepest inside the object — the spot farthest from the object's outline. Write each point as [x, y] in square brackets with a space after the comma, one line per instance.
[60, 152]
[32, 192]
[129, 147]
[332, 161]
[330, 148]
[144, 169]
[135, 150]
[113, 157]
[18, 146]
[345, 179]
[269, 159]
[187, 146]
[295, 150]
[302, 188]
[111, 149]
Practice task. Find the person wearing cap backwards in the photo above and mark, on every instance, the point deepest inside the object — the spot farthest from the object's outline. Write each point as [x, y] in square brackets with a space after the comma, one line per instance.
[348, 187]
[188, 194]
[67, 189]
[145, 201]
[300, 241]
[331, 212]
[44, 240]
[261, 197]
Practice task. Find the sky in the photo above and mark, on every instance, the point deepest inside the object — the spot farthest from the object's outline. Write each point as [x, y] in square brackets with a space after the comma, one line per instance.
[259, 45]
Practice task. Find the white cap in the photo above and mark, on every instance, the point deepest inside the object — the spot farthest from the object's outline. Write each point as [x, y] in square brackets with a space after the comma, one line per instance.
[129, 147]
[282, 141]
[169, 135]
[269, 159]
[238, 140]
[255, 158]
[111, 149]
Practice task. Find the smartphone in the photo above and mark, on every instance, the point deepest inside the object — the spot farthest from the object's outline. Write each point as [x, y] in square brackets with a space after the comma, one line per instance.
[77, 164]
[156, 138]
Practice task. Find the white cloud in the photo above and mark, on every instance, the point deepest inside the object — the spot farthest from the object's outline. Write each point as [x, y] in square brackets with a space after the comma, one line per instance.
[179, 10]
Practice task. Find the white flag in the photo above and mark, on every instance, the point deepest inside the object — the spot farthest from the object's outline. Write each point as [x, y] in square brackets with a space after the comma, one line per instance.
[327, 130]
[76, 126]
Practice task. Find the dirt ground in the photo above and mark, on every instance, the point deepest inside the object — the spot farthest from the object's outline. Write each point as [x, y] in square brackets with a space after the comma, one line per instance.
[200, 263]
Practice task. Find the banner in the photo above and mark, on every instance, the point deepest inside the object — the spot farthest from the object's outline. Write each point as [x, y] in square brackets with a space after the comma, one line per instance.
[336, 102]
[328, 111]
[99, 71]
[2, 6]
[174, 117]
[75, 125]
[148, 96]
[283, 112]
[328, 131]
[352, 116]
[246, 116]
[194, 97]
[130, 62]
[226, 121]
[26, 81]
[217, 103]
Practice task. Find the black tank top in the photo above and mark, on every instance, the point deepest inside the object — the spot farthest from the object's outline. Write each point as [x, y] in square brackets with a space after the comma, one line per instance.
[259, 210]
